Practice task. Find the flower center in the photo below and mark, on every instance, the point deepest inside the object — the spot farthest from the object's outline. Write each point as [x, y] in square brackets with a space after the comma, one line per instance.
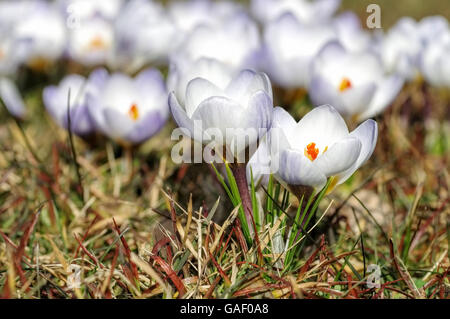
[133, 112]
[345, 85]
[311, 151]
[97, 43]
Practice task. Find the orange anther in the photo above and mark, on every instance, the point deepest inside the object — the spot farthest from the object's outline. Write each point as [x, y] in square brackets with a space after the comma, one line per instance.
[345, 85]
[311, 151]
[97, 43]
[134, 112]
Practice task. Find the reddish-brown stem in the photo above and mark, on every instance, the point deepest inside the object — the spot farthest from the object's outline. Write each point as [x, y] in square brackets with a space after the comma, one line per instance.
[240, 175]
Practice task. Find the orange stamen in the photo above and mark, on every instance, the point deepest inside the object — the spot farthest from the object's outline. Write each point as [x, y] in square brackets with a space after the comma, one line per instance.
[345, 85]
[311, 151]
[97, 43]
[134, 112]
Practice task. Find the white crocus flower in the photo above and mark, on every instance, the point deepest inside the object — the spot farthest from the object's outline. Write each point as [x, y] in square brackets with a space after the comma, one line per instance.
[187, 15]
[243, 103]
[354, 83]
[144, 34]
[435, 61]
[56, 99]
[234, 42]
[350, 32]
[318, 147]
[40, 36]
[230, 119]
[129, 110]
[306, 11]
[12, 11]
[80, 10]
[181, 73]
[401, 47]
[289, 48]
[431, 27]
[91, 43]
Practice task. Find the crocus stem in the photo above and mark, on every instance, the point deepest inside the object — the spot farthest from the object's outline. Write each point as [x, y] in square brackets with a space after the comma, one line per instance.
[129, 163]
[240, 175]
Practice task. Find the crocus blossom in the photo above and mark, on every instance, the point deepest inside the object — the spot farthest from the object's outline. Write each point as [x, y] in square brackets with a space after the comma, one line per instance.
[289, 48]
[79, 10]
[144, 33]
[235, 42]
[56, 99]
[401, 47]
[318, 11]
[181, 73]
[350, 32]
[91, 43]
[435, 61]
[40, 37]
[318, 147]
[187, 15]
[354, 83]
[244, 102]
[130, 110]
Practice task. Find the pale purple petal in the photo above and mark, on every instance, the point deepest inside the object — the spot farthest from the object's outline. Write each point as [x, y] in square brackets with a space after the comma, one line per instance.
[80, 120]
[145, 128]
[258, 114]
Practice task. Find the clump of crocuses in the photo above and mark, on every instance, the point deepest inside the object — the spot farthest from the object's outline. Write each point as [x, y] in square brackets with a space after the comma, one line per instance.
[125, 109]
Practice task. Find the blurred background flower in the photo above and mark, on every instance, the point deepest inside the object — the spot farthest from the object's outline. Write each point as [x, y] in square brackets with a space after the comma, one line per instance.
[354, 82]
[57, 102]
[129, 110]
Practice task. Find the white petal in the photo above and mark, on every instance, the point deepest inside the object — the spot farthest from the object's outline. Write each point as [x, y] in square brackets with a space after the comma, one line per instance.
[259, 164]
[296, 169]
[284, 125]
[180, 116]
[339, 156]
[367, 133]
[323, 126]
[258, 115]
[118, 125]
[355, 100]
[217, 114]
[197, 91]
[247, 83]
[385, 95]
